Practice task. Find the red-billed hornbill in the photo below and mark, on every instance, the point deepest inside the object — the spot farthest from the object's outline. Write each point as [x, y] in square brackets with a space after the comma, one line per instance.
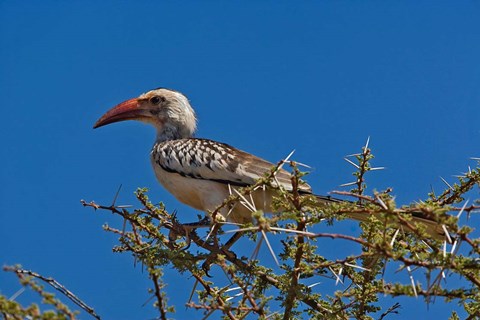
[200, 172]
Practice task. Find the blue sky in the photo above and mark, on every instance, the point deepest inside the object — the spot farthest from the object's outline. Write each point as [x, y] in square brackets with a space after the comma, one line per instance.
[269, 77]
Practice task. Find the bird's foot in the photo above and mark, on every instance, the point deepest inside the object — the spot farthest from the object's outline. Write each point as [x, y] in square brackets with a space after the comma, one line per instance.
[173, 235]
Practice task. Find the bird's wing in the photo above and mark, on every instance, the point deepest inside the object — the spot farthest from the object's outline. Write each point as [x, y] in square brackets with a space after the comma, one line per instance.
[210, 160]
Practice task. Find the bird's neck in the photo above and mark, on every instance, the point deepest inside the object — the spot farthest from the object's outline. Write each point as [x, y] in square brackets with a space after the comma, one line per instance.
[169, 132]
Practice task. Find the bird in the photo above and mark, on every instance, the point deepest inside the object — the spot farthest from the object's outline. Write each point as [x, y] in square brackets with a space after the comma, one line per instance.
[202, 173]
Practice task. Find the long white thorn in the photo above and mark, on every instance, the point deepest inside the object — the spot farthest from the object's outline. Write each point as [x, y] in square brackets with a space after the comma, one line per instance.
[352, 163]
[257, 249]
[305, 233]
[231, 209]
[253, 202]
[193, 291]
[233, 206]
[241, 230]
[270, 248]
[289, 156]
[447, 234]
[284, 161]
[394, 237]
[17, 294]
[234, 296]
[209, 233]
[228, 223]
[271, 315]
[426, 245]
[336, 276]
[303, 165]
[368, 141]
[314, 284]
[445, 181]
[245, 202]
[454, 246]
[380, 201]
[279, 186]
[339, 274]
[348, 184]
[463, 208]
[355, 266]
[412, 281]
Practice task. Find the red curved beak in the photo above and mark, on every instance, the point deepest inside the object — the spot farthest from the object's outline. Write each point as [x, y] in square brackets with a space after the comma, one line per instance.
[127, 110]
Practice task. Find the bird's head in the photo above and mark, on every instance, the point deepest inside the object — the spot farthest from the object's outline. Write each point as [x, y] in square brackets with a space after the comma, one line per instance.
[167, 110]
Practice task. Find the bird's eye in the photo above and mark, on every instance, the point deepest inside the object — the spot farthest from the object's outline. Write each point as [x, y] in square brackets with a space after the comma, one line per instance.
[156, 100]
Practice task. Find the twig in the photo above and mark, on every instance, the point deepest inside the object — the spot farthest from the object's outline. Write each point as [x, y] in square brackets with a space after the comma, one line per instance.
[300, 242]
[57, 286]
[392, 309]
[158, 294]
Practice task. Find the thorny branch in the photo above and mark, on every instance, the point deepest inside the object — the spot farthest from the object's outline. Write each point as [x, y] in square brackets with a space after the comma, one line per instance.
[454, 193]
[299, 248]
[158, 295]
[412, 251]
[22, 273]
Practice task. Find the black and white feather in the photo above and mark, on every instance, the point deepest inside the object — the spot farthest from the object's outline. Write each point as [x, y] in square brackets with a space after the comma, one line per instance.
[214, 161]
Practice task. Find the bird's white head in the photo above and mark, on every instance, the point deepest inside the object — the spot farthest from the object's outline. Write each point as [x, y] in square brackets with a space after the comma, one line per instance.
[167, 110]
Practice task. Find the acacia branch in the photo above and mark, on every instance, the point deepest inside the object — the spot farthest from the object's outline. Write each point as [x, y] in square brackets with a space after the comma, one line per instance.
[57, 286]
[411, 250]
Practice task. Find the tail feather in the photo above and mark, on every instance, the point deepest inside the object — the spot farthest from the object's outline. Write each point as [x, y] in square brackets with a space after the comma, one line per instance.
[432, 228]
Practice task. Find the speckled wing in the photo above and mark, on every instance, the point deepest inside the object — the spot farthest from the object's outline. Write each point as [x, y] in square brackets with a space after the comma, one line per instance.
[211, 160]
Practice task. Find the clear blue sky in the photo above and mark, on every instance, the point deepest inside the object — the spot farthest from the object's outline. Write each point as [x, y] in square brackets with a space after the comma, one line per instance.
[318, 77]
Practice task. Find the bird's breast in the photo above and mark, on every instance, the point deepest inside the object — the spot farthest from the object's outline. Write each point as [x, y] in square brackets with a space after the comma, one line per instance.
[198, 193]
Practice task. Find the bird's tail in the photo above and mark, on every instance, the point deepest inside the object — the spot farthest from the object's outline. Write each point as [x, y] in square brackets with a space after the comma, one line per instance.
[432, 227]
